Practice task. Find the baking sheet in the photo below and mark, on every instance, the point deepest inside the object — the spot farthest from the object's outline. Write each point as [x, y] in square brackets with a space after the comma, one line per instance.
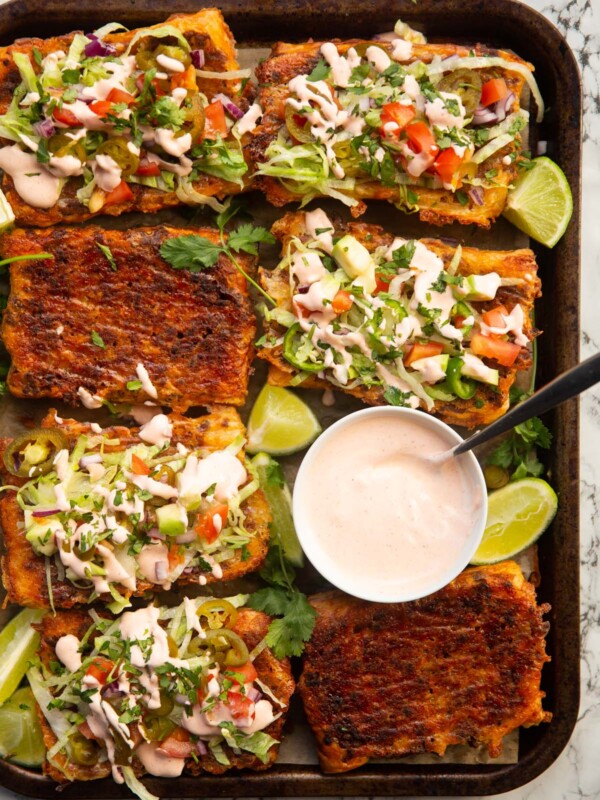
[299, 749]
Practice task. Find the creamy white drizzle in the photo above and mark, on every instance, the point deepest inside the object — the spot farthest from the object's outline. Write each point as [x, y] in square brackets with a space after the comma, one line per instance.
[88, 399]
[250, 119]
[147, 384]
[158, 430]
[34, 184]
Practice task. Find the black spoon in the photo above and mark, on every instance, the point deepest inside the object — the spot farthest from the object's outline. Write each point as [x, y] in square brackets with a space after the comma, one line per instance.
[563, 388]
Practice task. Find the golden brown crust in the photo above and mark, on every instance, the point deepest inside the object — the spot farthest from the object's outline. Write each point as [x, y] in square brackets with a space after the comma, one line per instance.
[462, 666]
[507, 263]
[206, 30]
[275, 673]
[24, 572]
[436, 206]
[194, 332]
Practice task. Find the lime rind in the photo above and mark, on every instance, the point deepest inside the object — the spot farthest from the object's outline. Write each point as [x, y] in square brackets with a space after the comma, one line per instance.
[21, 739]
[518, 514]
[541, 204]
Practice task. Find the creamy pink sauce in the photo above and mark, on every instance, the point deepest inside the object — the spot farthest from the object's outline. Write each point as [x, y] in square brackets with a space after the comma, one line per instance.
[382, 517]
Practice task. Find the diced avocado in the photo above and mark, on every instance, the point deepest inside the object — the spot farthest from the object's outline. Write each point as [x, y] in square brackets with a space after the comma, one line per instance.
[433, 368]
[172, 519]
[40, 536]
[481, 287]
[481, 373]
[354, 258]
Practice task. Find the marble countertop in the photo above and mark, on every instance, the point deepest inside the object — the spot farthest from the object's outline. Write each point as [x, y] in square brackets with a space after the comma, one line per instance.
[576, 773]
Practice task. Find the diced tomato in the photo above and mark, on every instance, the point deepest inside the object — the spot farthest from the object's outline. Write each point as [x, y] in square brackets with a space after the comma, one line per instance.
[140, 80]
[422, 139]
[493, 317]
[186, 79]
[205, 525]
[342, 302]
[85, 730]
[492, 91]
[447, 163]
[397, 113]
[419, 350]
[239, 705]
[503, 352]
[247, 670]
[100, 669]
[177, 744]
[101, 107]
[381, 284]
[138, 467]
[458, 321]
[119, 96]
[66, 117]
[121, 194]
[148, 168]
[215, 120]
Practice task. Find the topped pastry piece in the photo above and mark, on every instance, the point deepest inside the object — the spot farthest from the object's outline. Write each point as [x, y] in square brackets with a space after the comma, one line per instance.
[418, 323]
[106, 319]
[433, 128]
[114, 122]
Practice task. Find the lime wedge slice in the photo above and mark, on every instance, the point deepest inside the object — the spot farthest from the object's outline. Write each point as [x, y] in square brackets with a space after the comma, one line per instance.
[18, 645]
[279, 499]
[7, 217]
[280, 423]
[540, 203]
[21, 737]
[518, 514]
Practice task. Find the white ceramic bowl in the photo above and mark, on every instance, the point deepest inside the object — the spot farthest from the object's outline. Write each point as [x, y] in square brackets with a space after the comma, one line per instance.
[329, 567]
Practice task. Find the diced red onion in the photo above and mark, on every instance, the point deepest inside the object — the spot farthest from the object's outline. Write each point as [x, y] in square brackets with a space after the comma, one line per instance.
[85, 461]
[161, 570]
[542, 147]
[197, 58]
[388, 36]
[201, 748]
[44, 128]
[154, 533]
[254, 694]
[48, 513]
[476, 195]
[508, 101]
[235, 111]
[112, 690]
[187, 537]
[96, 47]
[303, 289]
[484, 115]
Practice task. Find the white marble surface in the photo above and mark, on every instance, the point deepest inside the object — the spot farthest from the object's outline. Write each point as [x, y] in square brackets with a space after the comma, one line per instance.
[576, 773]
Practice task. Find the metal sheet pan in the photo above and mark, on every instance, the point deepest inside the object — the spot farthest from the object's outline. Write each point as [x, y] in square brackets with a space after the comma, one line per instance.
[501, 23]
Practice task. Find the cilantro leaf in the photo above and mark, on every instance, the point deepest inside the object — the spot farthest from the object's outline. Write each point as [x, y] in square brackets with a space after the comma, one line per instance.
[517, 452]
[97, 340]
[275, 474]
[270, 600]
[246, 238]
[286, 636]
[166, 112]
[320, 72]
[395, 397]
[133, 386]
[275, 570]
[107, 253]
[191, 252]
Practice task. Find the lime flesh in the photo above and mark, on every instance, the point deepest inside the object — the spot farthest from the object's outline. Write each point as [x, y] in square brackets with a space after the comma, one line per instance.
[280, 501]
[21, 738]
[540, 204]
[518, 514]
[280, 423]
[19, 643]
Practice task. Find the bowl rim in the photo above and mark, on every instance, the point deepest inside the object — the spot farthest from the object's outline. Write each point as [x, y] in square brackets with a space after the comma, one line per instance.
[308, 541]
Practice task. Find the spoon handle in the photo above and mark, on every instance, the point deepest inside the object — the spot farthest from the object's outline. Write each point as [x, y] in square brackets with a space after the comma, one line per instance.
[564, 387]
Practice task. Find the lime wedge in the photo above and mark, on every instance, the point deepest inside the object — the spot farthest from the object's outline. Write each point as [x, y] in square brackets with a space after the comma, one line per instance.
[18, 645]
[279, 499]
[517, 516]
[21, 737]
[7, 217]
[280, 423]
[541, 204]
